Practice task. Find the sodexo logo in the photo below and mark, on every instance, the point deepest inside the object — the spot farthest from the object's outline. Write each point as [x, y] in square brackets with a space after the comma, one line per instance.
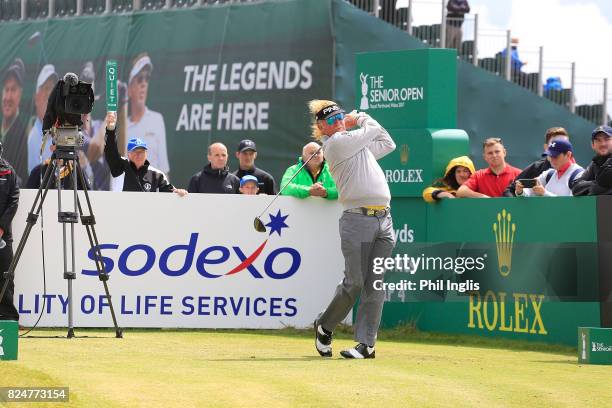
[281, 263]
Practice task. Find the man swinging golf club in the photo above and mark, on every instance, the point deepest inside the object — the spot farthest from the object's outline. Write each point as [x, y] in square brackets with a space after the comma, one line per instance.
[366, 228]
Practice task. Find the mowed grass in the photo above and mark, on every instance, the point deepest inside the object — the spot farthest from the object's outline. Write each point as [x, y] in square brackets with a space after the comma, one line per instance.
[170, 368]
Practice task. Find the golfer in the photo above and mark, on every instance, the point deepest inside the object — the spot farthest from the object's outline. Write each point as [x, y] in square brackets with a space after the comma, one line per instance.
[366, 227]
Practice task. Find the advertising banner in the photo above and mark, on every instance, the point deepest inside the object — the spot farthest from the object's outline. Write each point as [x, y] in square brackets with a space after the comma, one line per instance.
[594, 345]
[9, 340]
[517, 268]
[191, 262]
[226, 73]
[409, 90]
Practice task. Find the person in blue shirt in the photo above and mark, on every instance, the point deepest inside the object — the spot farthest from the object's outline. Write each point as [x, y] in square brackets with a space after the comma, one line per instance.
[515, 60]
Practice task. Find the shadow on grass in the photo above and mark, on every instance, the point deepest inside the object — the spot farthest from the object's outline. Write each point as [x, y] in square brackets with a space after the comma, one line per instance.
[266, 359]
[407, 333]
[573, 362]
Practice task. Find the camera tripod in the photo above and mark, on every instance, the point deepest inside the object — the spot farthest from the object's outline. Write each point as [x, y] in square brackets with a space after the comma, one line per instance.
[70, 157]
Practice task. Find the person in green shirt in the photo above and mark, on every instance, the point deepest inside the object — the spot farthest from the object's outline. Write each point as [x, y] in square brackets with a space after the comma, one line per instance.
[315, 180]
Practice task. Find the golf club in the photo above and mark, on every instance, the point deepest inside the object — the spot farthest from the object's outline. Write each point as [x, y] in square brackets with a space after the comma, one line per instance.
[259, 225]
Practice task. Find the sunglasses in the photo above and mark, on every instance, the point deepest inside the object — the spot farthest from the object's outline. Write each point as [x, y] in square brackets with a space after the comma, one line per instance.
[332, 119]
[142, 78]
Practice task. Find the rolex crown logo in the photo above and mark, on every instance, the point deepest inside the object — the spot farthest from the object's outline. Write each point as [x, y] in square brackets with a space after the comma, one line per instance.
[504, 230]
[364, 104]
[404, 154]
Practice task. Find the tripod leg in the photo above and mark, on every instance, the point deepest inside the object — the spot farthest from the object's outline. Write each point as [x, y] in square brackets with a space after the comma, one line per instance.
[67, 217]
[30, 222]
[89, 221]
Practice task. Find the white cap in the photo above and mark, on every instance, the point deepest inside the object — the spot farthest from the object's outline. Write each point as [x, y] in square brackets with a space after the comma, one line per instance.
[139, 65]
[46, 72]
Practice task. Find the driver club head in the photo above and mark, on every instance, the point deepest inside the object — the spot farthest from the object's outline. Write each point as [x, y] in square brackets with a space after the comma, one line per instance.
[259, 225]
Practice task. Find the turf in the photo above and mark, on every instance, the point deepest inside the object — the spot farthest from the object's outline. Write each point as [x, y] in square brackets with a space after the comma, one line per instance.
[173, 368]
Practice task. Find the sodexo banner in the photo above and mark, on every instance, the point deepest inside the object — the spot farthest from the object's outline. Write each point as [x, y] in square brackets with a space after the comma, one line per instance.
[194, 262]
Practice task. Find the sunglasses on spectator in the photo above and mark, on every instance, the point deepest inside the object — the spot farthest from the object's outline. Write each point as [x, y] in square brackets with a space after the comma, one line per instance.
[332, 119]
[142, 77]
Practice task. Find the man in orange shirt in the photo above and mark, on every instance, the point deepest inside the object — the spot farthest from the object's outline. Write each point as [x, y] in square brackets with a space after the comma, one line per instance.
[492, 181]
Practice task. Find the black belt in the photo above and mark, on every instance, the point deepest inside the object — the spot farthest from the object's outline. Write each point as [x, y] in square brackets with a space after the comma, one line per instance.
[369, 211]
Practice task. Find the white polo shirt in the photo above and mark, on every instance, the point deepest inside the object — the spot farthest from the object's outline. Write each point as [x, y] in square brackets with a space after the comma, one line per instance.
[152, 130]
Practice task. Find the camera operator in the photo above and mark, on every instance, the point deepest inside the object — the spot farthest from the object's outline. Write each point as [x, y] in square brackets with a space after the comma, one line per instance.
[139, 175]
[9, 199]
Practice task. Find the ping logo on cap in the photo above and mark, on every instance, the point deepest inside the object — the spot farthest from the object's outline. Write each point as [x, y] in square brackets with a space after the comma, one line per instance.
[330, 109]
[323, 113]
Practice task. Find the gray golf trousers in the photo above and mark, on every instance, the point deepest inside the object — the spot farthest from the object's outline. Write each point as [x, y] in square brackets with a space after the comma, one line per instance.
[363, 238]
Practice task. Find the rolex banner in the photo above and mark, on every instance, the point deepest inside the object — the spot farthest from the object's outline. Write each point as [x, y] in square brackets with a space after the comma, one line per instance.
[525, 269]
[225, 73]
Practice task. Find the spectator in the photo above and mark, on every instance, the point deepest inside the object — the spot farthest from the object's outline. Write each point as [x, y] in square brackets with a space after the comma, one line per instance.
[314, 180]
[457, 9]
[215, 176]
[139, 174]
[596, 178]
[249, 185]
[92, 155]
[552, 84]
[144, 123]
[38, 172]
[603, 182]
[515, 62]
[13, 130]
[556, 181]
[492, 181]
[539, 166]
[457, 172]
[246, 155]
[44, 85]
[9, 200]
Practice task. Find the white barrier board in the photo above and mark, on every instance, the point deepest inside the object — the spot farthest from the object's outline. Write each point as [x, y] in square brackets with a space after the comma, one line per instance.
[191, 262]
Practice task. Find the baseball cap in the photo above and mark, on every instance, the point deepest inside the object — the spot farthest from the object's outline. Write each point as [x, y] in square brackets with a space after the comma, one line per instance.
[328, 111]
[16, 69]
[48, 71]
[245, 145]
[136, 143]
[247, 178]
[140, 64]
[601, 129]
[556, 147]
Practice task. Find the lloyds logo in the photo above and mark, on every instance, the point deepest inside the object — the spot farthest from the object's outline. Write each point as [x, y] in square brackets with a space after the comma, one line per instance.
[504, 230]
[1, 339]
[364, 105]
